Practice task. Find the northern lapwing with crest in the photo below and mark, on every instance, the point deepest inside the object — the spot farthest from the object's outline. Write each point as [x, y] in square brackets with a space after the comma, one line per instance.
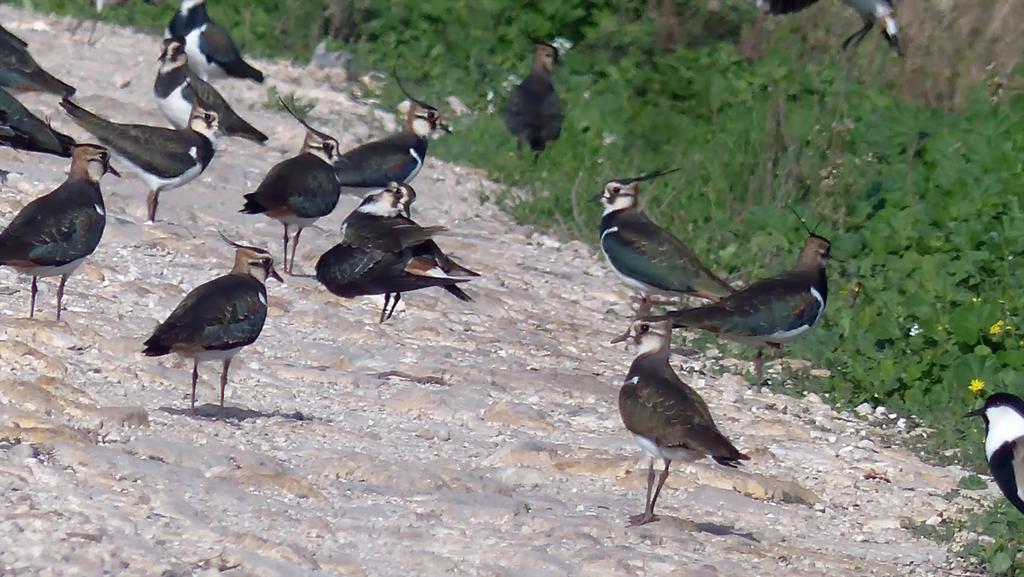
[19, 71]
[385, 252]
[396, 158]
[219, 318]
[647, 257]
[870, 11]
[22, 130]
[533, 113]
[211, 51]
[1004, 443]
[55, 233]
[300, 190]
[771, 311]
[668, 419]
[177, 86]
[165, 158]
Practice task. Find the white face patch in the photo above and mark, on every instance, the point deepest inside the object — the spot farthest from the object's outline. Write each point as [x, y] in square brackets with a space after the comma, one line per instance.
[1005, 425]
[622, 201]
[421, 127]
[380, 207]
[651, 342]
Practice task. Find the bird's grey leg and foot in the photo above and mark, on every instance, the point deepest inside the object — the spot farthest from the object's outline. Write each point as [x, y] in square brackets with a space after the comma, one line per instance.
[648, 515]
[394, 303]
[295, 245]
[151, 203]
[32, 306]
[224, 381]
[60, 293]
[857, 37]
[284, 257]
[384, 311]
[195, 377]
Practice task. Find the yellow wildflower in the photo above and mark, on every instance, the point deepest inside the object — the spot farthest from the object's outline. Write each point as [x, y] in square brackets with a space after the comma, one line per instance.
[977, 385]
[999, 328]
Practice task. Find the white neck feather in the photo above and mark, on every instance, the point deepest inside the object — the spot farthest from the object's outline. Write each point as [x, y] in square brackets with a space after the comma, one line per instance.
[379, 209]
[421, 127]
[1005, 425]
[651, 343]
[96, 170]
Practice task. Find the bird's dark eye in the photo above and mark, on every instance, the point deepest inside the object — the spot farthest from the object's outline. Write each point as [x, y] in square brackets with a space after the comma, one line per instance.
[208, 117]
[644, 328]
[328, 148]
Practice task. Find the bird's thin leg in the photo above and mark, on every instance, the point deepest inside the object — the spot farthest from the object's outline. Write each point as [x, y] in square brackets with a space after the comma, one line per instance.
[648, 515]
[295, 245]
[661, 483]
[151, 203]
[858, 36]
[224, 380]
[394, 303]
[384, 311]
[60, 293]
[32, 306]
[195, 377]
[284, 257]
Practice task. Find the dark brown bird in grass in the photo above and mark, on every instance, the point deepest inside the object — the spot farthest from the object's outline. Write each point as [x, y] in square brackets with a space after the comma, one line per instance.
[669, 420]
[533, 113]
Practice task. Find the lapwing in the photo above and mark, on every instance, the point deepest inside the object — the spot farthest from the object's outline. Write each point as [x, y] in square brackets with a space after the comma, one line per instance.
[668, 419]
[299, 190]
[176, 87]
[217, 319]
[23, 130]
[1004, 443]
[398, 157]
[533, 113]
[211, 51]
[165, 158]
[18, 70]
[55, 233]
[384, 252]
[771, 311]
[870, 11]
[647, 257]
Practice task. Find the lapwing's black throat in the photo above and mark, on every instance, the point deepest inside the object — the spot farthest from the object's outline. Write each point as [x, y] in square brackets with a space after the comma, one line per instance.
[55, 233]
[668, 419]
[769, 312]
[300, 190]
[19, 71]
[211, 51]
[650, 259]
[1004, 443]
[384, 252]
[217, 319]
[165, 158]
[177, 86]
[533, 113]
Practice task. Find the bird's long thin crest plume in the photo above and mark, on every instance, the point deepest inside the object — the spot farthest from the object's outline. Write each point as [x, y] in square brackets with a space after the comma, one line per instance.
[301, 120]
[398, 80]
[649, 176]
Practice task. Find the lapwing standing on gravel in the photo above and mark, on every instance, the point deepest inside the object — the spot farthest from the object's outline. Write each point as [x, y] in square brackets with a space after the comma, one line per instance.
[396, 158]
[669, 420]
[165, 158]
[18, 70]
[176, 87]
[1004, 443]
[384, 252]
[870, 11]
[298, 191]
[217, 319]
[22, 130]
[211, 51]
[55, 233]
[533, 113]
[771, 311]
[647, 257]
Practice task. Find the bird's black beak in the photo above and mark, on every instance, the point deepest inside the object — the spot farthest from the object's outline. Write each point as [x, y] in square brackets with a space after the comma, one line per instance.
[621, 338]
[273, 274]
[445, 127]
[597, 197]
[111, 170]
[975, 413]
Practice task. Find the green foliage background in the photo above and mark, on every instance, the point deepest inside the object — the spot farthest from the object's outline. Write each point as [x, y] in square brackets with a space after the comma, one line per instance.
[923, 204]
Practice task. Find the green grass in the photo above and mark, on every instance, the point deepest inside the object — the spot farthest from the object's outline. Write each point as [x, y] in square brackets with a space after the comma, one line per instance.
[923, 205]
